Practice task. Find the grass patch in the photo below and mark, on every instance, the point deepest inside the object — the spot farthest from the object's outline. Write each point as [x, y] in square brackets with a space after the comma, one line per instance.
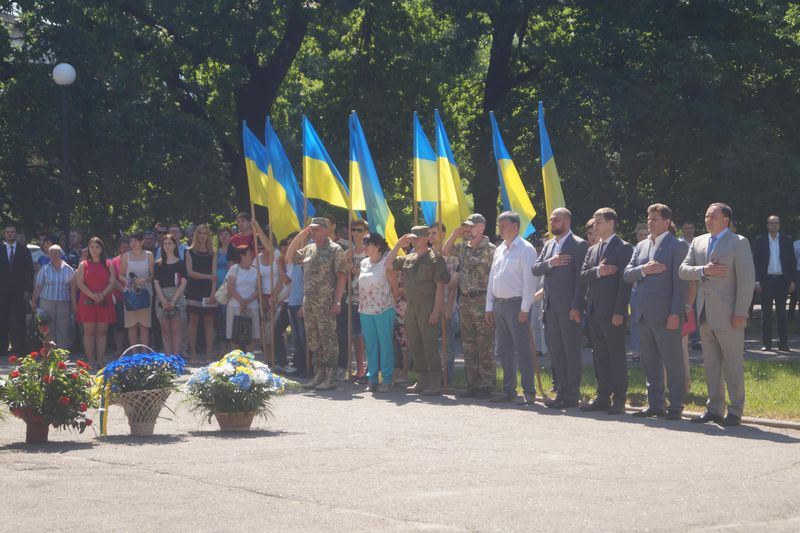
[772, 388]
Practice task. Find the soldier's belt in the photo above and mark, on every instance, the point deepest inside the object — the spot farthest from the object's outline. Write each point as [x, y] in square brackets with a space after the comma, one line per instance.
[507, 300]
[473, 294]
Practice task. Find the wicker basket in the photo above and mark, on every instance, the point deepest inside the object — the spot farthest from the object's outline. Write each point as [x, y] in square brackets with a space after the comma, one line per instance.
[240, 421]
[142, 409]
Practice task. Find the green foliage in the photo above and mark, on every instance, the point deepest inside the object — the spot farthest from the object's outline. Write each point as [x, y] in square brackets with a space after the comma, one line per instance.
[680, 102]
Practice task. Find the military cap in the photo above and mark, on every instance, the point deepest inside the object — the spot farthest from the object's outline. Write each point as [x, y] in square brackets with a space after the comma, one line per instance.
[420, 231]
[320, 222]
[475, 218]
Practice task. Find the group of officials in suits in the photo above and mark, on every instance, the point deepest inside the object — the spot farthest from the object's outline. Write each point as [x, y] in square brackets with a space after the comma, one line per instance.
[599, 278]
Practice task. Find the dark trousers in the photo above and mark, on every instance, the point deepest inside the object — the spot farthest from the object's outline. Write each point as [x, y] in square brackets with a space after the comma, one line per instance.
[12, 323]
[512, 341]
[793, 303]
[774, 290]
[298, 338]
[278, 328]
[564, 343]
[610, 361]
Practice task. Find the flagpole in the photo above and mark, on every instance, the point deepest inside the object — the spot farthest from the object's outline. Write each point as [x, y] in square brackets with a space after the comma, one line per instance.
[444, 357]
[303, 225]
[272, 295]
[258, 279]
[352, 258]
[413, 171]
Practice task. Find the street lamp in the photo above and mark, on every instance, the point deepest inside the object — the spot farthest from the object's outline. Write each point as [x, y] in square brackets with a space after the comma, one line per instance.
[64, 76]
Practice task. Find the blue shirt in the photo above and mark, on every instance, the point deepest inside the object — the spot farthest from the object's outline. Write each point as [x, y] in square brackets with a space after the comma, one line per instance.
[296, 275]
[55, 283]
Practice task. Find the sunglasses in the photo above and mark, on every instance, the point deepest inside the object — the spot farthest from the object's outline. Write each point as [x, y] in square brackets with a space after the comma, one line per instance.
[358, 230]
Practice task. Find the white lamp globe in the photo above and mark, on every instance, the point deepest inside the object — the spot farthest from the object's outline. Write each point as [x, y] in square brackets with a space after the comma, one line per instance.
[64, 74]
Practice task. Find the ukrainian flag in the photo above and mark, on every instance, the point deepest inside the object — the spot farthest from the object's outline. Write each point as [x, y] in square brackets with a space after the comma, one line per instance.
[321, 179]
[454, 202]
[425, 174]
[511, 189]
[364, 177]
[256, 161]
[553, 196]
[284, 197]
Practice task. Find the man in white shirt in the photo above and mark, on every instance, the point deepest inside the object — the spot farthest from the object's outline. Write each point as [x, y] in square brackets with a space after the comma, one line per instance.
[508, 301]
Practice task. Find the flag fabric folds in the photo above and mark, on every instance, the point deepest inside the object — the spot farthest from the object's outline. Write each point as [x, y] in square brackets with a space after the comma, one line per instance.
[513, 193]
[425, 173]
[451, 193]
[553, 195]
[284, 198]
[320, 177]
[256, 161]
[364, 177]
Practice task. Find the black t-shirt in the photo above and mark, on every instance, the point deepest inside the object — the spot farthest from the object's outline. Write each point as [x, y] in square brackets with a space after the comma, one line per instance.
[165, 274]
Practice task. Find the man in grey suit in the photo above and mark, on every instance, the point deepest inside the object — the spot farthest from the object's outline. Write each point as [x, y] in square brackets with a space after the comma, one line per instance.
[660, 297]
[607, 298]
[723, 264]
[560, 263]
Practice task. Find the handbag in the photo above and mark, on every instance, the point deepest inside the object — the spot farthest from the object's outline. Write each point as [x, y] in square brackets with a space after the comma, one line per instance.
[221, 296]
[242, 332]
[135, 300]
[690, 324]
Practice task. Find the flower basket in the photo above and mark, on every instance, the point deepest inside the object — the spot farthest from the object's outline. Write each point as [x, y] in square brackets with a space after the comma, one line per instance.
[36, 432]
[142, 409]
[235, 421]
[141, 384]
[235, 390]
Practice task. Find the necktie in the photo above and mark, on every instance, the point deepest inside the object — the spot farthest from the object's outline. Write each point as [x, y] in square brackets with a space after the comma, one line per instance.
[11, 255]
[711, 244]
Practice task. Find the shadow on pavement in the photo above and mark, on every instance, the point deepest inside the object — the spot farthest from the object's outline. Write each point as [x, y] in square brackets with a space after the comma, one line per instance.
[252, 434]
[49, 447]
[128, 440]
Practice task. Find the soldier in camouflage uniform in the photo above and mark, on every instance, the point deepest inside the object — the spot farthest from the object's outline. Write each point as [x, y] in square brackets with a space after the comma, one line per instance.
[424, 275]
[477, 336]
[324, 272]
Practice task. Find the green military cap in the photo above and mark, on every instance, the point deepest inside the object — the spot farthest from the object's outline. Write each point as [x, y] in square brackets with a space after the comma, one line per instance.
[320, 222]
[475, 218]
[420, 231]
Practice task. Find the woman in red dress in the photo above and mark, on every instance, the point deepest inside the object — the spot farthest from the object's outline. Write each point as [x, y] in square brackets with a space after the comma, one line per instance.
[95, 305]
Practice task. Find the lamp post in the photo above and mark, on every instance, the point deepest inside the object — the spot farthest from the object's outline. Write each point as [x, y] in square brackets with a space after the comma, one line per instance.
[64, 76]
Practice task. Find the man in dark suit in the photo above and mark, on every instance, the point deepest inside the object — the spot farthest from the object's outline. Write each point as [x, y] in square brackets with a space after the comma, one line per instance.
[607, 298]
[776, 269]
[660, 300]
[16, 285]
[560, 263]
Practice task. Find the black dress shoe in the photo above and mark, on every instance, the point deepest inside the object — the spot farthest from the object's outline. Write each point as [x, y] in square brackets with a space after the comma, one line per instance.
[784, 348]
[554, 402]
[707, 417]
[766, 348]
[596, 405]
[617, 408]
[503, 398]
[567, 404]
[472, 392]
[731, 420]
[650, 413]
[673, 414]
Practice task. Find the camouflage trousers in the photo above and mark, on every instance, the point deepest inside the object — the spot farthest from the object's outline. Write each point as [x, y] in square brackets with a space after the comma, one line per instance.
[477, 338]
[321, 334]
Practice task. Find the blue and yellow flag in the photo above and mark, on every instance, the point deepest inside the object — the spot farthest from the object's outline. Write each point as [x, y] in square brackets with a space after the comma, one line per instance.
[364, 177]
[284, 197]
[256, 160]
[455, 208]
[425, 174]
[320, 177]
[515, 198]
[553, 195]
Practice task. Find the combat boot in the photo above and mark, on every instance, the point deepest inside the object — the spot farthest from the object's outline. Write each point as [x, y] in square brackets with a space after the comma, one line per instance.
[318, 377]
[329, 381]
[420, 385]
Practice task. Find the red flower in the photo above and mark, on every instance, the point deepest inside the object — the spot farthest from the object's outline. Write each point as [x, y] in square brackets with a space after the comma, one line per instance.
[81, 364]
[64, 400]
[14, 374]
[74, 375]
[62, 365]
[48, 378]
[34, 354]
[88, 422]
[83, 407]
[12, 359]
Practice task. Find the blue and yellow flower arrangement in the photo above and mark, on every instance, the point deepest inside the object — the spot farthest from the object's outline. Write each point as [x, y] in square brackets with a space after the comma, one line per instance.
[237, 383]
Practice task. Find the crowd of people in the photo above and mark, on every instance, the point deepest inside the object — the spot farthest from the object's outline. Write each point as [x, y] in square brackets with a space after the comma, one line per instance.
[513, 300]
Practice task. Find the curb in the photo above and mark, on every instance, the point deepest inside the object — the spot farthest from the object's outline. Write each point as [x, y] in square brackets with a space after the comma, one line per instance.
[750, 420]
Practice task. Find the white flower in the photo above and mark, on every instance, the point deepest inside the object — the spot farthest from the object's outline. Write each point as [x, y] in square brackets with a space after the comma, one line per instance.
[226, 369]
[259, 377]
